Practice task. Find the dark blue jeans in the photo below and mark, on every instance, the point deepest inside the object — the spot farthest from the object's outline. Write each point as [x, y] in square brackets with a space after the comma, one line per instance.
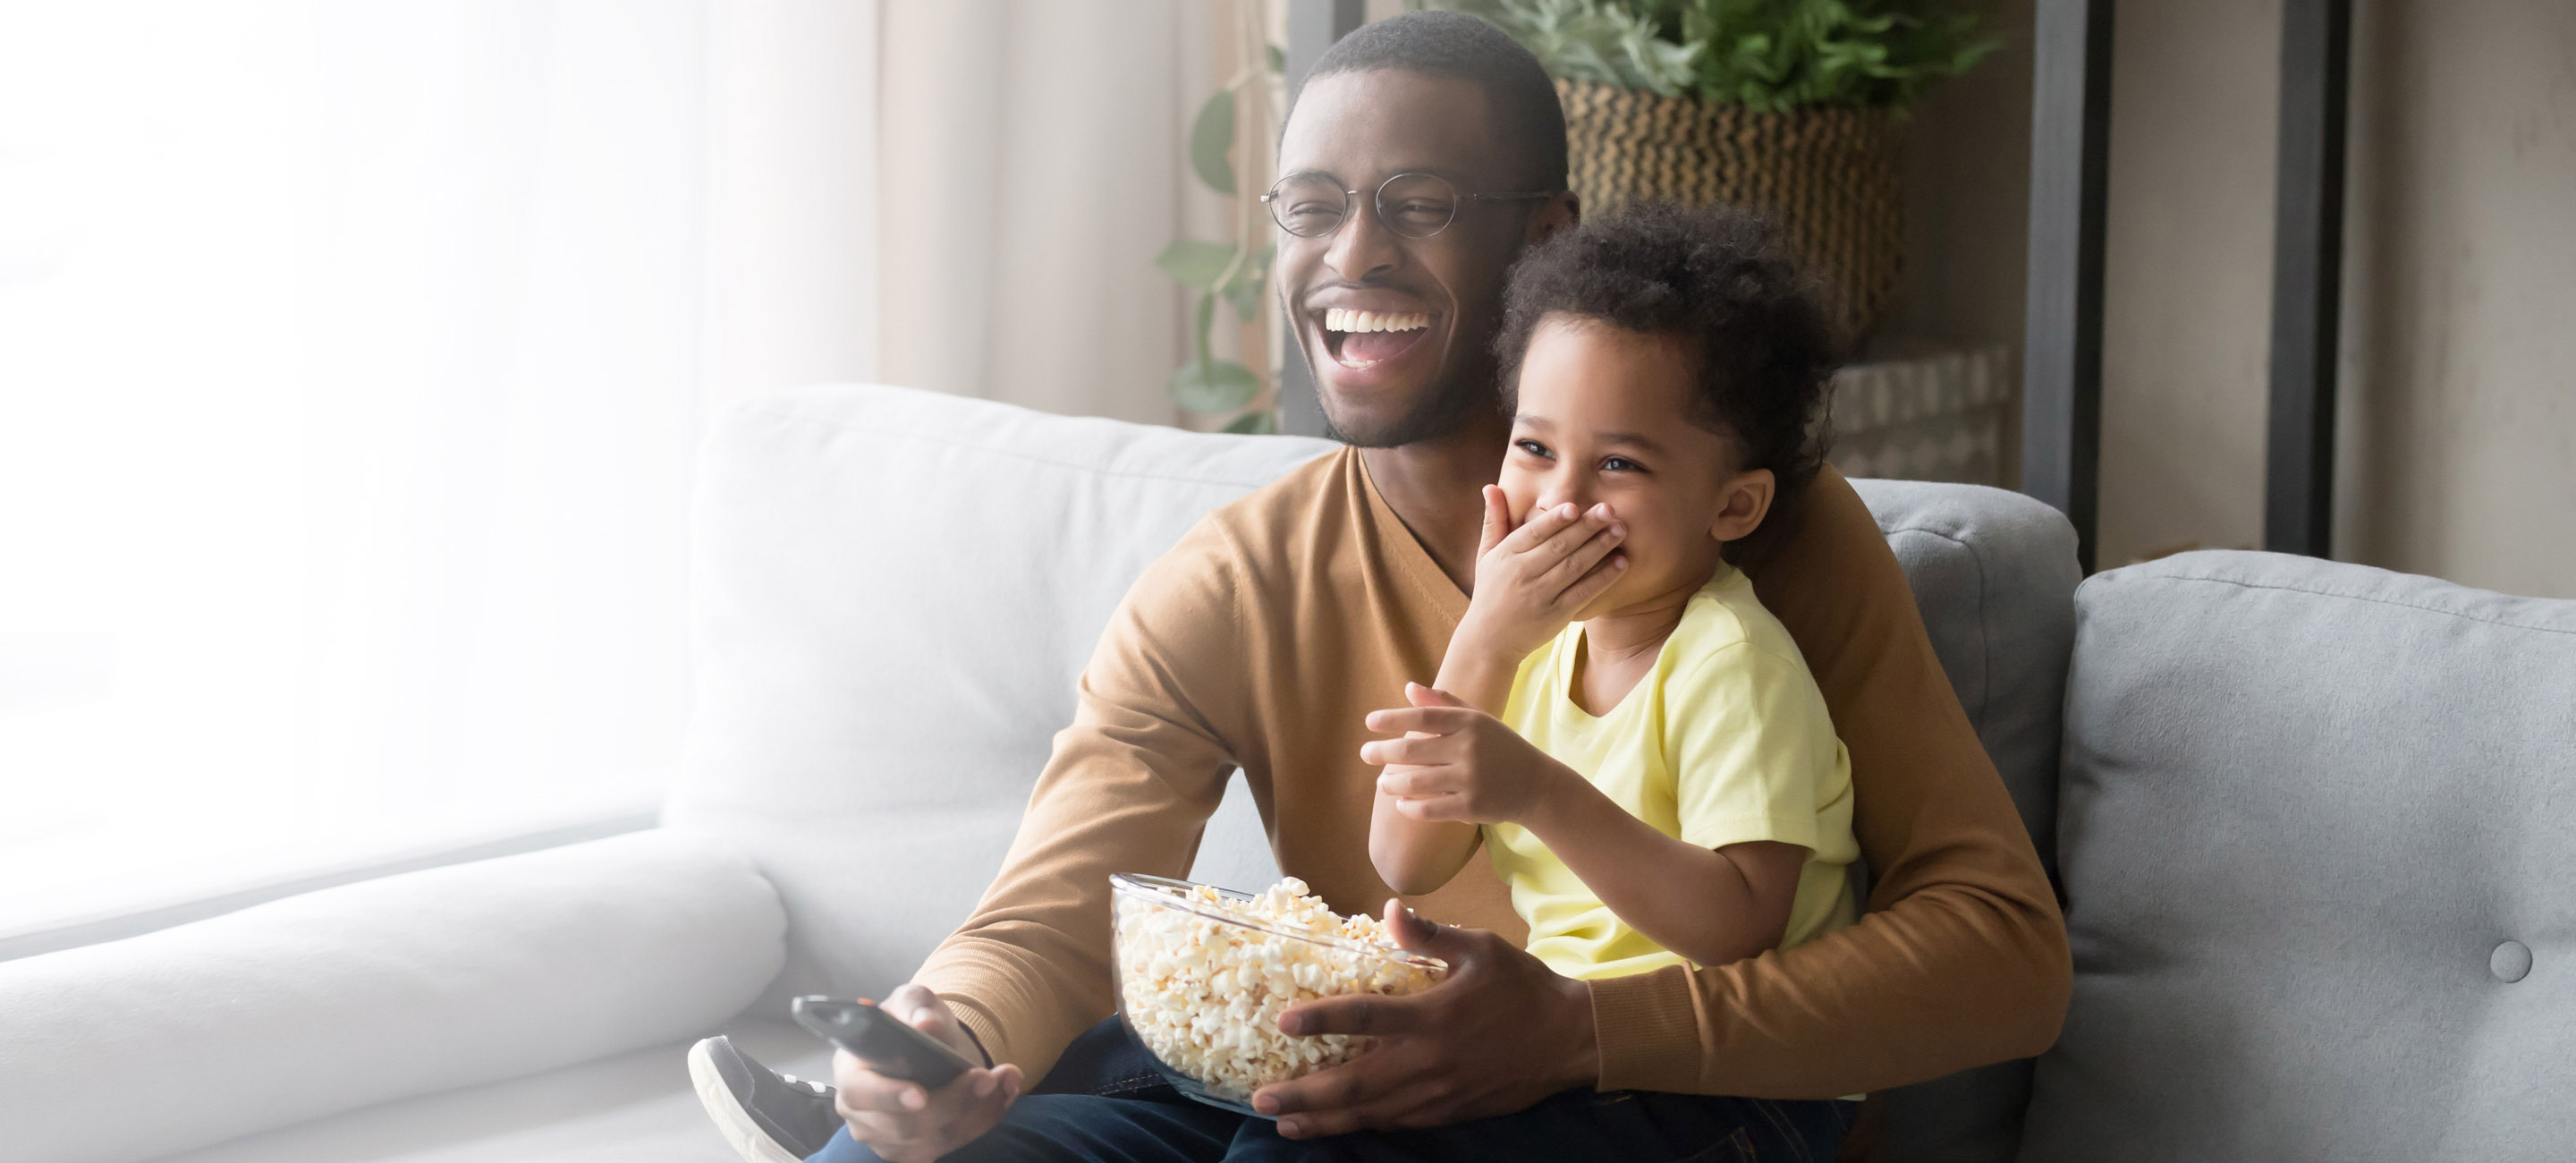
[1104, 1103]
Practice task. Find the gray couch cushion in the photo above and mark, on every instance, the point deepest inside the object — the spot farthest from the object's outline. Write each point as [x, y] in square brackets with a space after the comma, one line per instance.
[1994, 574]
[2305, 805]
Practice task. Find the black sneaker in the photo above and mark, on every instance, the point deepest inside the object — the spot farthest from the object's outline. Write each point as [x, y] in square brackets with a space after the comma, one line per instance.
[768, 1116]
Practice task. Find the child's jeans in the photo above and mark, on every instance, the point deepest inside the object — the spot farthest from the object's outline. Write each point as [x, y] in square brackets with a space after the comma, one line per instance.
[1104, 1103]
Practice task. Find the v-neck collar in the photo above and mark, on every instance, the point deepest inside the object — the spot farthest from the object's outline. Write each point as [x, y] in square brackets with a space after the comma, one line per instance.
[1575, 647]
[1404, 547]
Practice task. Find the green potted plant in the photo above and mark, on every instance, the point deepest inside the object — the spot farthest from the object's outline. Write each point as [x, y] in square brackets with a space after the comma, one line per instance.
[1796, 107]
[1235, 271]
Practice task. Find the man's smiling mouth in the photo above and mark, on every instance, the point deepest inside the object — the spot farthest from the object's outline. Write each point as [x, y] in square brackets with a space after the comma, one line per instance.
[1359, 339]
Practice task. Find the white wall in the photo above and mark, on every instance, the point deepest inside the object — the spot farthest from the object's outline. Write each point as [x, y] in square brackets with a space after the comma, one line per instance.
[2460, 326]
[2188, 273]
[1967, 199]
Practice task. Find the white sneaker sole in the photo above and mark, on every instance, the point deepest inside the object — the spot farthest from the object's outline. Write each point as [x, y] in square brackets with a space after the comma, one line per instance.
[733, 1122]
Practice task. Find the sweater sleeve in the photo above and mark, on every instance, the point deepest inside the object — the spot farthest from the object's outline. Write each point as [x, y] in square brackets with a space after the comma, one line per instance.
[1129, 788]
[1962, 959]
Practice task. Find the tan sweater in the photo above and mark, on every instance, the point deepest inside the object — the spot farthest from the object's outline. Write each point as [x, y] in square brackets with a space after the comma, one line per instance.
[1263, 637]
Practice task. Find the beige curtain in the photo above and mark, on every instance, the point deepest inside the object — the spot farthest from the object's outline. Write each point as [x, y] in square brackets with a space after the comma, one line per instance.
[1031, 165]
[791, 190]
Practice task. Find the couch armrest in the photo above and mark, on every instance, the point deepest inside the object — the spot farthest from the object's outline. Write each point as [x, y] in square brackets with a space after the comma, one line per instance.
[354, 995]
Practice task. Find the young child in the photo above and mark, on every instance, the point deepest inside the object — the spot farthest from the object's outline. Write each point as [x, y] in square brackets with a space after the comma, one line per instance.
[1636, 743]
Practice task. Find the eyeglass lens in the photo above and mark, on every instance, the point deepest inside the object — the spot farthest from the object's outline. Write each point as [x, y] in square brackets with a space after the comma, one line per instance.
[1413, 205]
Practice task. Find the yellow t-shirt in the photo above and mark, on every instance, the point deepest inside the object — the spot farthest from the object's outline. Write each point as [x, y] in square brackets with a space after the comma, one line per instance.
[1725, 741]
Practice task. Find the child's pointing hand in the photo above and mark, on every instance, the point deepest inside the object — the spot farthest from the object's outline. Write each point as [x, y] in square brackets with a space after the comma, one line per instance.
[1458, 763]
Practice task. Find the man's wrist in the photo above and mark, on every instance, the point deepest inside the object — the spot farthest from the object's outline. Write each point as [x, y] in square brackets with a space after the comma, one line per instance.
[1579, 1053]
[966, 1016]
[1646, 1031]
[978, 1040]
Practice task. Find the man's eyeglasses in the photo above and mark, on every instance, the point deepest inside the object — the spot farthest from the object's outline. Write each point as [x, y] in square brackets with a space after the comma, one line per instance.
[1312, 205]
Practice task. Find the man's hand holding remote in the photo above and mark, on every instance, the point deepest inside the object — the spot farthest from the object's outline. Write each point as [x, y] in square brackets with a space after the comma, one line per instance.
[902, 1121]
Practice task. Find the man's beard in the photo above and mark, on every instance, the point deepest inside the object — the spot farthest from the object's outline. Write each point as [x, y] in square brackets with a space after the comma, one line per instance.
[1459, 398]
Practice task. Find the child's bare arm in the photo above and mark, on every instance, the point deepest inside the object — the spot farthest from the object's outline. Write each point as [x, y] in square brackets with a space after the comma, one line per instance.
[1529, 579]
[1712, 906]
[1416, 856]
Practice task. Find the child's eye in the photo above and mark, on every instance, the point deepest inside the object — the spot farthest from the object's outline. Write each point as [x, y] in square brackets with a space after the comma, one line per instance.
[1621, 464]
[1532, 447]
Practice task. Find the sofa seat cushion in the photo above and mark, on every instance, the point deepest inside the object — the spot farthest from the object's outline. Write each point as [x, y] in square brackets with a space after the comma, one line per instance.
[629, 1108]
[317, 1004]
[2310, 814]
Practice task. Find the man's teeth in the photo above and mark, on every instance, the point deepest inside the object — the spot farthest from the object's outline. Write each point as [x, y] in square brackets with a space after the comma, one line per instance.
[1345, 319]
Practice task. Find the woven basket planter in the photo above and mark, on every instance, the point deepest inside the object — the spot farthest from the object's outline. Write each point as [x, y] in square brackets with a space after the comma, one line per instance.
[1830, 176]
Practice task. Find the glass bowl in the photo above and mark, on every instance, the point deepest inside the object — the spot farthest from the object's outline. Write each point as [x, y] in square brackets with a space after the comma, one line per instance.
[1201, 981]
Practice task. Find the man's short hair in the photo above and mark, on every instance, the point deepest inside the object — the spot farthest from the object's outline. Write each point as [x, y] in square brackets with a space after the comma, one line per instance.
[1454, 44]
[1720, 280]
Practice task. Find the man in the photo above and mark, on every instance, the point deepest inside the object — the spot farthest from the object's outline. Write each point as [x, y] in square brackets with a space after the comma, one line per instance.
[1264, 637]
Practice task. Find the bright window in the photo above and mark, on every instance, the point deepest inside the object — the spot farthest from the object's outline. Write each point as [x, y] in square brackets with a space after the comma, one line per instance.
[349, 384]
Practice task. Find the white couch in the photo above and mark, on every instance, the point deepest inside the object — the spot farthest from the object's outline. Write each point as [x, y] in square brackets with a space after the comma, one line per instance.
[893, 594]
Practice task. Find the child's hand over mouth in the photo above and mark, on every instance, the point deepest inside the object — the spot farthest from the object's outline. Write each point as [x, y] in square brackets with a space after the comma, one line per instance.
[1532, 580]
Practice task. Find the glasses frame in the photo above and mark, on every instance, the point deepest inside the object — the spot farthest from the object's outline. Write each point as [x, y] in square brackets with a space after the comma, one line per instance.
[1377, 202]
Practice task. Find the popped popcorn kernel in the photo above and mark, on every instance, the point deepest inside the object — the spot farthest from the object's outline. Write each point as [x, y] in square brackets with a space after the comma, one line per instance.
[1204, 993]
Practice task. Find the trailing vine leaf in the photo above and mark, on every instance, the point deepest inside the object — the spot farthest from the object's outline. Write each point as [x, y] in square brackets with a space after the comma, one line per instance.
[1213, 385]
[1211, 138]
[1220, 270]
[1209, 384]
[1246, 289]
[1196, 264]
[1254, 424]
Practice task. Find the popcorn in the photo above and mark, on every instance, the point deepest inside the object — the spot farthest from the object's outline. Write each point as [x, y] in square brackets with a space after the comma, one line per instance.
[1205, 995]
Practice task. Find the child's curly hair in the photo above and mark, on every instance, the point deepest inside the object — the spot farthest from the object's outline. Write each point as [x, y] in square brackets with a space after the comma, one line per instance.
[1719, 279]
